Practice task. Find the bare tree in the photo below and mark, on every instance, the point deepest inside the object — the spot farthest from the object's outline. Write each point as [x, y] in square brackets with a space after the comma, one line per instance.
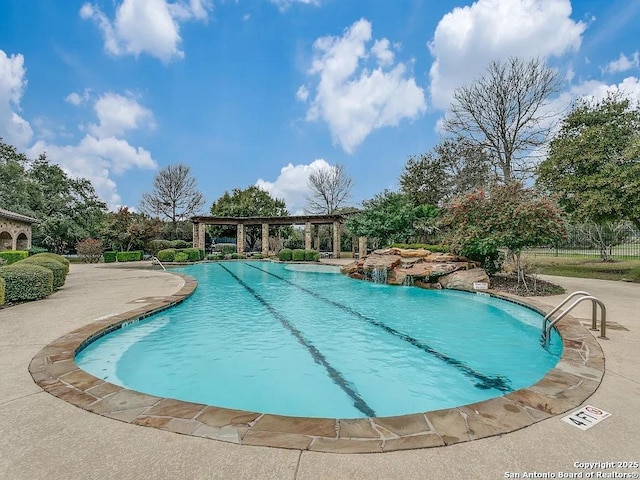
[175, 195]
[504, 113]
[330, 189]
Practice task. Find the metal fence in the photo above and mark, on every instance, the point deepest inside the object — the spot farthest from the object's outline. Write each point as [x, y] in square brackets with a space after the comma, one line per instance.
[609, 241]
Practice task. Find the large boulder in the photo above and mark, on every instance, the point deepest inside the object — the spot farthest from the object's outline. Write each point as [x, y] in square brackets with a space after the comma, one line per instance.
[463, 279]
[381, 262]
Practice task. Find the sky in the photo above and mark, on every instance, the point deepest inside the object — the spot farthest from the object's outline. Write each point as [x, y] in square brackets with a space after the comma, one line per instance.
[263, 92]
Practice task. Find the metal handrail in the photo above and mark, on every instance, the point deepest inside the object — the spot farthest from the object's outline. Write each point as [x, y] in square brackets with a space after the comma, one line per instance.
[546, 329]
[159, 262]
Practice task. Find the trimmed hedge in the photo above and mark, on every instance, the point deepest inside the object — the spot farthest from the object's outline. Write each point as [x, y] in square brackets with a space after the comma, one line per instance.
[425, 246]
[36, 250]
[109, 257]
[58, 269]
[1, 290]
[13, 256]
[132, 256]
[167, 255]
[285, 254]
[26, 281]
[298, 255]
[181, 257]
[215, 256]
[193, 254]
[311, 256]
[54, 256]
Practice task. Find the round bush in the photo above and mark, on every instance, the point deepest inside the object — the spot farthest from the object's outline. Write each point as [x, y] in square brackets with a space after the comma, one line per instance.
[1, 290]
[297, 255]
[58, 269]
[154, 246]
[54, 256]
[311, 256]
[167, 255]
[285, 254]
[179, 244]
[181, 257]
[25, 281]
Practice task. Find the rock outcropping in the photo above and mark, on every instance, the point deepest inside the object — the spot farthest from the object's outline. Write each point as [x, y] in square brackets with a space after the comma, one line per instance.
[398, 266]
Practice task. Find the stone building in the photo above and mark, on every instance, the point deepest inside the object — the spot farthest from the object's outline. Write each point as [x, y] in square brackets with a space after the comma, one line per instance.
[15, 230]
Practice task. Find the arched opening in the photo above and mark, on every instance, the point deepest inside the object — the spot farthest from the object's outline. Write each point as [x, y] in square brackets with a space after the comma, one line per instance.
[22, 243]
[6, 241]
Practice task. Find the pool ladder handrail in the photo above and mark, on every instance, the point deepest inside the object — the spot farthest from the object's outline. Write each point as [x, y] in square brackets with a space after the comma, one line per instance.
[156, 259]
[548, 323]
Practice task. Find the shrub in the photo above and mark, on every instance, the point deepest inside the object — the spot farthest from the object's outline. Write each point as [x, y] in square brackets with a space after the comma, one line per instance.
[215, 256]
[285, 254]
[297, 255]
[109, 257]
[167, 255]
[154, 246]
[1, 290]
[257, 256]
[89, 250]
[226, 249]
[193, 254]
[12, 256]
[132, 256]
[54, 256]
[425, 246]
[36, 250]
[311, 256]
[181, 257]
[24, 281]
[58, 269]
[180, 244]
[202, 253]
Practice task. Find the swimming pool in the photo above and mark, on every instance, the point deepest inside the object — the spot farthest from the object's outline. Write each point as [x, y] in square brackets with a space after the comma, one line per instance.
[302, 340]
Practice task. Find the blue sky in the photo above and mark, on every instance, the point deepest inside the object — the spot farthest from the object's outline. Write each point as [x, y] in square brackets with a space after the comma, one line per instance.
[264, 91]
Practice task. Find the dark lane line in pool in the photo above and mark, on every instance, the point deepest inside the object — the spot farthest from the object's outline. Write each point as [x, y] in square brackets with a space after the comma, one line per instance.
[318, 357]
[485, 382]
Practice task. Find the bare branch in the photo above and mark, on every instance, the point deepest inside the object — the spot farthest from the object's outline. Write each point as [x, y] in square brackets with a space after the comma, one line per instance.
[330, 189]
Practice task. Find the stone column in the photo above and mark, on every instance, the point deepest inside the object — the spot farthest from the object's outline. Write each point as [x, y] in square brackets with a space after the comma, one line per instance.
[196, 235]
[318, 238]
[336, 239]
[14, 241]
[202, 236]
[362, 247]
[265, 239]
[307, 236]
[240, 238]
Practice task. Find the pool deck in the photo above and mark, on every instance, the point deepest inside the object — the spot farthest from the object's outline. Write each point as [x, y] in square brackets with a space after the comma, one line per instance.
[46, 437]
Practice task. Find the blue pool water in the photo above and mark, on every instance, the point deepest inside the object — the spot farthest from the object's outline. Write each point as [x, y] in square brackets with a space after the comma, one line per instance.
[304, 340]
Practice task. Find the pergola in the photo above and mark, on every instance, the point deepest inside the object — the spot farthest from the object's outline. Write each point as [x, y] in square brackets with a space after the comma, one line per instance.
[200, 223]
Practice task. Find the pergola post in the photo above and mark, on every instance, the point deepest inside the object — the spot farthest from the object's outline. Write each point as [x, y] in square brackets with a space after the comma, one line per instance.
[202, 236]
[307, 236]
[265, 239]
[362, 247]
[240, 238]
[336, 239]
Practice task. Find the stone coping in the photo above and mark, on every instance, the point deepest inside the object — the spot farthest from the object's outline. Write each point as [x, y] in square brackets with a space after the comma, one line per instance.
[574, 379]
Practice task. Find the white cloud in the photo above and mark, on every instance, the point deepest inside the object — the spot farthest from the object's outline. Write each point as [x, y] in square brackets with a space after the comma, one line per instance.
[77, 99]
[13, 128]
[285, 4]
[302, 94]
[623, 63]
[95, 159]
[118, 114]
[150, 26]
[291, 184]
[468, 38]
[354, 99]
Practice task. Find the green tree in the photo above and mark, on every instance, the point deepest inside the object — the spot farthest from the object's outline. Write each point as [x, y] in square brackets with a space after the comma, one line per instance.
[175, 196]
[594, 162]
[14, 191]
[250, 202]
[452, 168]
[388, 217]
[508, 216]
[126, 230]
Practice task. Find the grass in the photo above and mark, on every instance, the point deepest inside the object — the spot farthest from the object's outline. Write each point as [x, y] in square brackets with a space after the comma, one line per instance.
[581, 267]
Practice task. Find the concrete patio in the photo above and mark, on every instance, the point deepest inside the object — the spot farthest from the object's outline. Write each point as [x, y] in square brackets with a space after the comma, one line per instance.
[45, 437]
